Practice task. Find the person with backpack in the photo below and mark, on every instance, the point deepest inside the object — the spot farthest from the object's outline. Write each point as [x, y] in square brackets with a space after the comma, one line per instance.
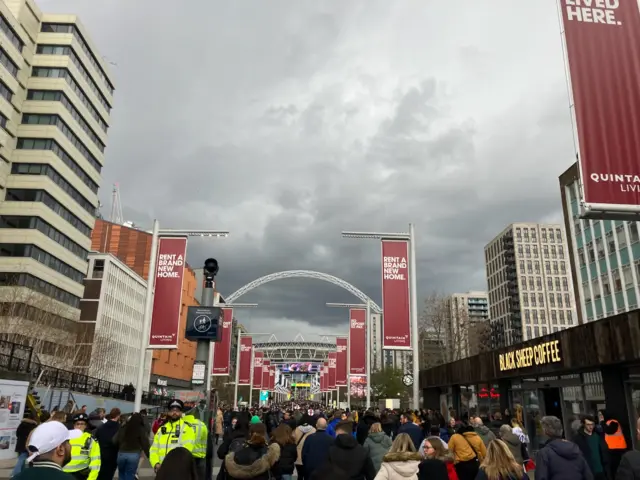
[234, 441]
[256, 459]
[300, 435]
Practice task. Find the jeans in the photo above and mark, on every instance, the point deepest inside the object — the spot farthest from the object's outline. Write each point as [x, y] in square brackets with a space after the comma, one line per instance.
[127, 465]
[286, 476]
[22, 458]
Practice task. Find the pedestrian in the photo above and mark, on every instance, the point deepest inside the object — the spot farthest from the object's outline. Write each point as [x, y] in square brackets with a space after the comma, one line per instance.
[300, 435]
[105, 434]
[85, 451]
[483, 431]
[348, 455]
[174, 433]
[27, 425]
[593, 448]
[316, 448]
[132, 441]
[629, 468]
[513, 442]
[283, 436]
[468, 451]
[377, 445]
[234, 441]
[499, 464]
[438, 462]
[219, 427]
[256, 459]
[408, 426]
[179, 463]
[402, 461]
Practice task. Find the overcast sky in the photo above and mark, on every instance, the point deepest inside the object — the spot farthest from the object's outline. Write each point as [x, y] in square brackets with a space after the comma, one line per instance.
[286, 122]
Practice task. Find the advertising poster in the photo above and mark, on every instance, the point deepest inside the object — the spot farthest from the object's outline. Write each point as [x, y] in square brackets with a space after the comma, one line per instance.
[244, 370]
[332, 370]
[257, 369]
[167, 298]
[13, 397]
[222, 350]
[602, 39]
[341, 362]
[272, 378]
[396, 318]
[265, 374]
[357, 342]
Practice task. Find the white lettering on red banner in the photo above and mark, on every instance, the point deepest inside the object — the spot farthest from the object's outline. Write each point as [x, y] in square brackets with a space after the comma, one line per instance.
[593, 11]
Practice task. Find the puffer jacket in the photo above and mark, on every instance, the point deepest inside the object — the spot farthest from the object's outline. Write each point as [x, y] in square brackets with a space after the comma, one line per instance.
[399, 466]
[377, 445]
[252, 462]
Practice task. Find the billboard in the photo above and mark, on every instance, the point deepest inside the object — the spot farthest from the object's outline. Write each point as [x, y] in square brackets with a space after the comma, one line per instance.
[341, 362]
[265, 374]
[357, 342]
[222, 350]
[332, 370]
[602, 39]
[396, 319]
[167, 298]
[257, 369]
[322, 381]
[244, 369]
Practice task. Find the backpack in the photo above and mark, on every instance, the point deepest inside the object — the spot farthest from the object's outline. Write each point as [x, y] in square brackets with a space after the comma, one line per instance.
[236, 445]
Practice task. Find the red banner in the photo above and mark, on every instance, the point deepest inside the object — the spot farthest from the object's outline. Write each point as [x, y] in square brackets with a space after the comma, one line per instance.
[257, 369]
[332, 370]
[341, 362]
[265, 375]
[396, 319]
[222, 349]
[602, 44]
[167, 299]
[244, 369]
[357, 342]
[272, 378]
[325, 370]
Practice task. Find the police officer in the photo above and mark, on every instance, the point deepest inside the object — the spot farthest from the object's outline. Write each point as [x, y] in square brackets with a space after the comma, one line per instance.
[176, 432]
[85, 451]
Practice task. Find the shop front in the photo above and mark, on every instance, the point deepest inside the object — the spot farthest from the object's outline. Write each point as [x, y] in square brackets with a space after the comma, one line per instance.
[582, 370]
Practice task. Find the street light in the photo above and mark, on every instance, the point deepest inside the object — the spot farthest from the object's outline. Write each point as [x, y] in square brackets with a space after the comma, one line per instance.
[413, 294]
[367, 307]
[148, 302]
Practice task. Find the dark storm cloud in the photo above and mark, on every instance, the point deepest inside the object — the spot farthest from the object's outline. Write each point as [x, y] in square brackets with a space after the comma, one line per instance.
[287, 122]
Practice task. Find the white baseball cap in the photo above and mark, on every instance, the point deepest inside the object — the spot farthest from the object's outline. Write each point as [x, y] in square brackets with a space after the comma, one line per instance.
[48, 436]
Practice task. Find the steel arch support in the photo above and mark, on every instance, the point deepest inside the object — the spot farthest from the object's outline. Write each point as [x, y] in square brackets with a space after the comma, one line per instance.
[302, 274]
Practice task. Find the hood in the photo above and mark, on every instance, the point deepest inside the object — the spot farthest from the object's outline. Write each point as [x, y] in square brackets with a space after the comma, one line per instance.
[511, 439]
[346, 442]
[564, 449]
[405, 464]
[482, 430]
[377, 437]
[260, 466]
[469, 435]
[305, 428]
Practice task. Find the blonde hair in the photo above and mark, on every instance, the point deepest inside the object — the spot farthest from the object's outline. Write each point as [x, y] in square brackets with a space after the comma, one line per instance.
[402, 443]
[499, 462]
[376, 428]
[440, 451]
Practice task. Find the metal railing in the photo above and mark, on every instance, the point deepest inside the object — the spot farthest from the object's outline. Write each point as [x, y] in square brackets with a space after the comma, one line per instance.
[21, 359]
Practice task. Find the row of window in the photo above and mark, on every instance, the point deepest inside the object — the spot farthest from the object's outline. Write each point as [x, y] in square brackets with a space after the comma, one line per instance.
[5, 92]
[531, 299]
[546, 235]
[52, 173]
[45, 72]
[14, 221]
[52, 145]
[31, 195]
[46, 119]
[58, 96]
[620, 279]
[45, 258]
[9, 64]
[596, 248]
[526, 250]
[566, 317]
[39, 285]
[12, 36]
[68, 51]
[559, 268]
[70, 28]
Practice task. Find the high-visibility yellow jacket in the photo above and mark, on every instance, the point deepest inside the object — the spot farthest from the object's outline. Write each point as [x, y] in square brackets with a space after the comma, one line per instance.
[171, 435]
[202, 434]
[85, 456]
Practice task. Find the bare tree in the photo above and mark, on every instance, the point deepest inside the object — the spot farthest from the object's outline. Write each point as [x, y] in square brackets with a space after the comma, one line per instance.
[46, 325]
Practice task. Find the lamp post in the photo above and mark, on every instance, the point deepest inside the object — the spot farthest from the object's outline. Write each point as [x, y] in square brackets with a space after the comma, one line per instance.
[156, 233]
[413, 295]
[367, 324]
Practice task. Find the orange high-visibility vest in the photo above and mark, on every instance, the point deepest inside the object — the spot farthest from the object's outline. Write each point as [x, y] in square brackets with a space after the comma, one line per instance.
[616, 440]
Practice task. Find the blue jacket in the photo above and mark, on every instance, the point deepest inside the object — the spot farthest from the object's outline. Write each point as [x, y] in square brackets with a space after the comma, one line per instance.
[331, 428]
[315, 451]
[414, 431]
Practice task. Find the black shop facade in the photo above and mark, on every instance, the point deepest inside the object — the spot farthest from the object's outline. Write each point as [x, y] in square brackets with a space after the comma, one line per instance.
[567, 374]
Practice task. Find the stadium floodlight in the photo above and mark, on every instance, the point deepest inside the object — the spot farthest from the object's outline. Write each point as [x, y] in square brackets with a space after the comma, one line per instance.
[413, 294]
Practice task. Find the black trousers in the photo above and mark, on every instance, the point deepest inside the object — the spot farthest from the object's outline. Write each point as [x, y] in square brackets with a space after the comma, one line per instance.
[300, 470]
[201, 466]
[81, 475]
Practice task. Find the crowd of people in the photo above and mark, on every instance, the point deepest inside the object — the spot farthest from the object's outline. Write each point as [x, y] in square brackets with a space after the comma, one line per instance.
[315, 442]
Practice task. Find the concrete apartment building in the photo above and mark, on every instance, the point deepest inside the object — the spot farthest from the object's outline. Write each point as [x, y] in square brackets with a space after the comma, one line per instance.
[111, 322]
[530, 283]
[170, 369]
[56, 96]
[469, 323]
[604, 257]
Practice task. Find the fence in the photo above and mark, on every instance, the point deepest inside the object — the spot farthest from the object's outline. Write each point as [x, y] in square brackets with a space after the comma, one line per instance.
[21, 358]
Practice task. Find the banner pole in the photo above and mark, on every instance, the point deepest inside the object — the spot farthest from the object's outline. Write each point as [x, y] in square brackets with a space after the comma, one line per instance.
[253, 350]
[148, 314]
[235, 387]
[368, 350]
[413, 297]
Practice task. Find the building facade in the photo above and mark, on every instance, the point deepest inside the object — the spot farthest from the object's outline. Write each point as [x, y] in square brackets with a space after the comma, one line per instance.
[530, 283]
[469, 323]
[170, 369]
[604, 256]
[56, 96]
[111, 322]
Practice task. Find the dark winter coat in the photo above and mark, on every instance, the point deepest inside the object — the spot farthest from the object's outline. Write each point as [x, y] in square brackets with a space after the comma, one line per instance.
[629, 468]
[515, 446]
[433, 469]
[223, 449]
[252, 462]
[286, 463]
[351, 457]
[316, 451]
[364, 425]
[377, 445]
[414, 431]
[581, 440]
[561, 460]
[483, 476]
[22, 433]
